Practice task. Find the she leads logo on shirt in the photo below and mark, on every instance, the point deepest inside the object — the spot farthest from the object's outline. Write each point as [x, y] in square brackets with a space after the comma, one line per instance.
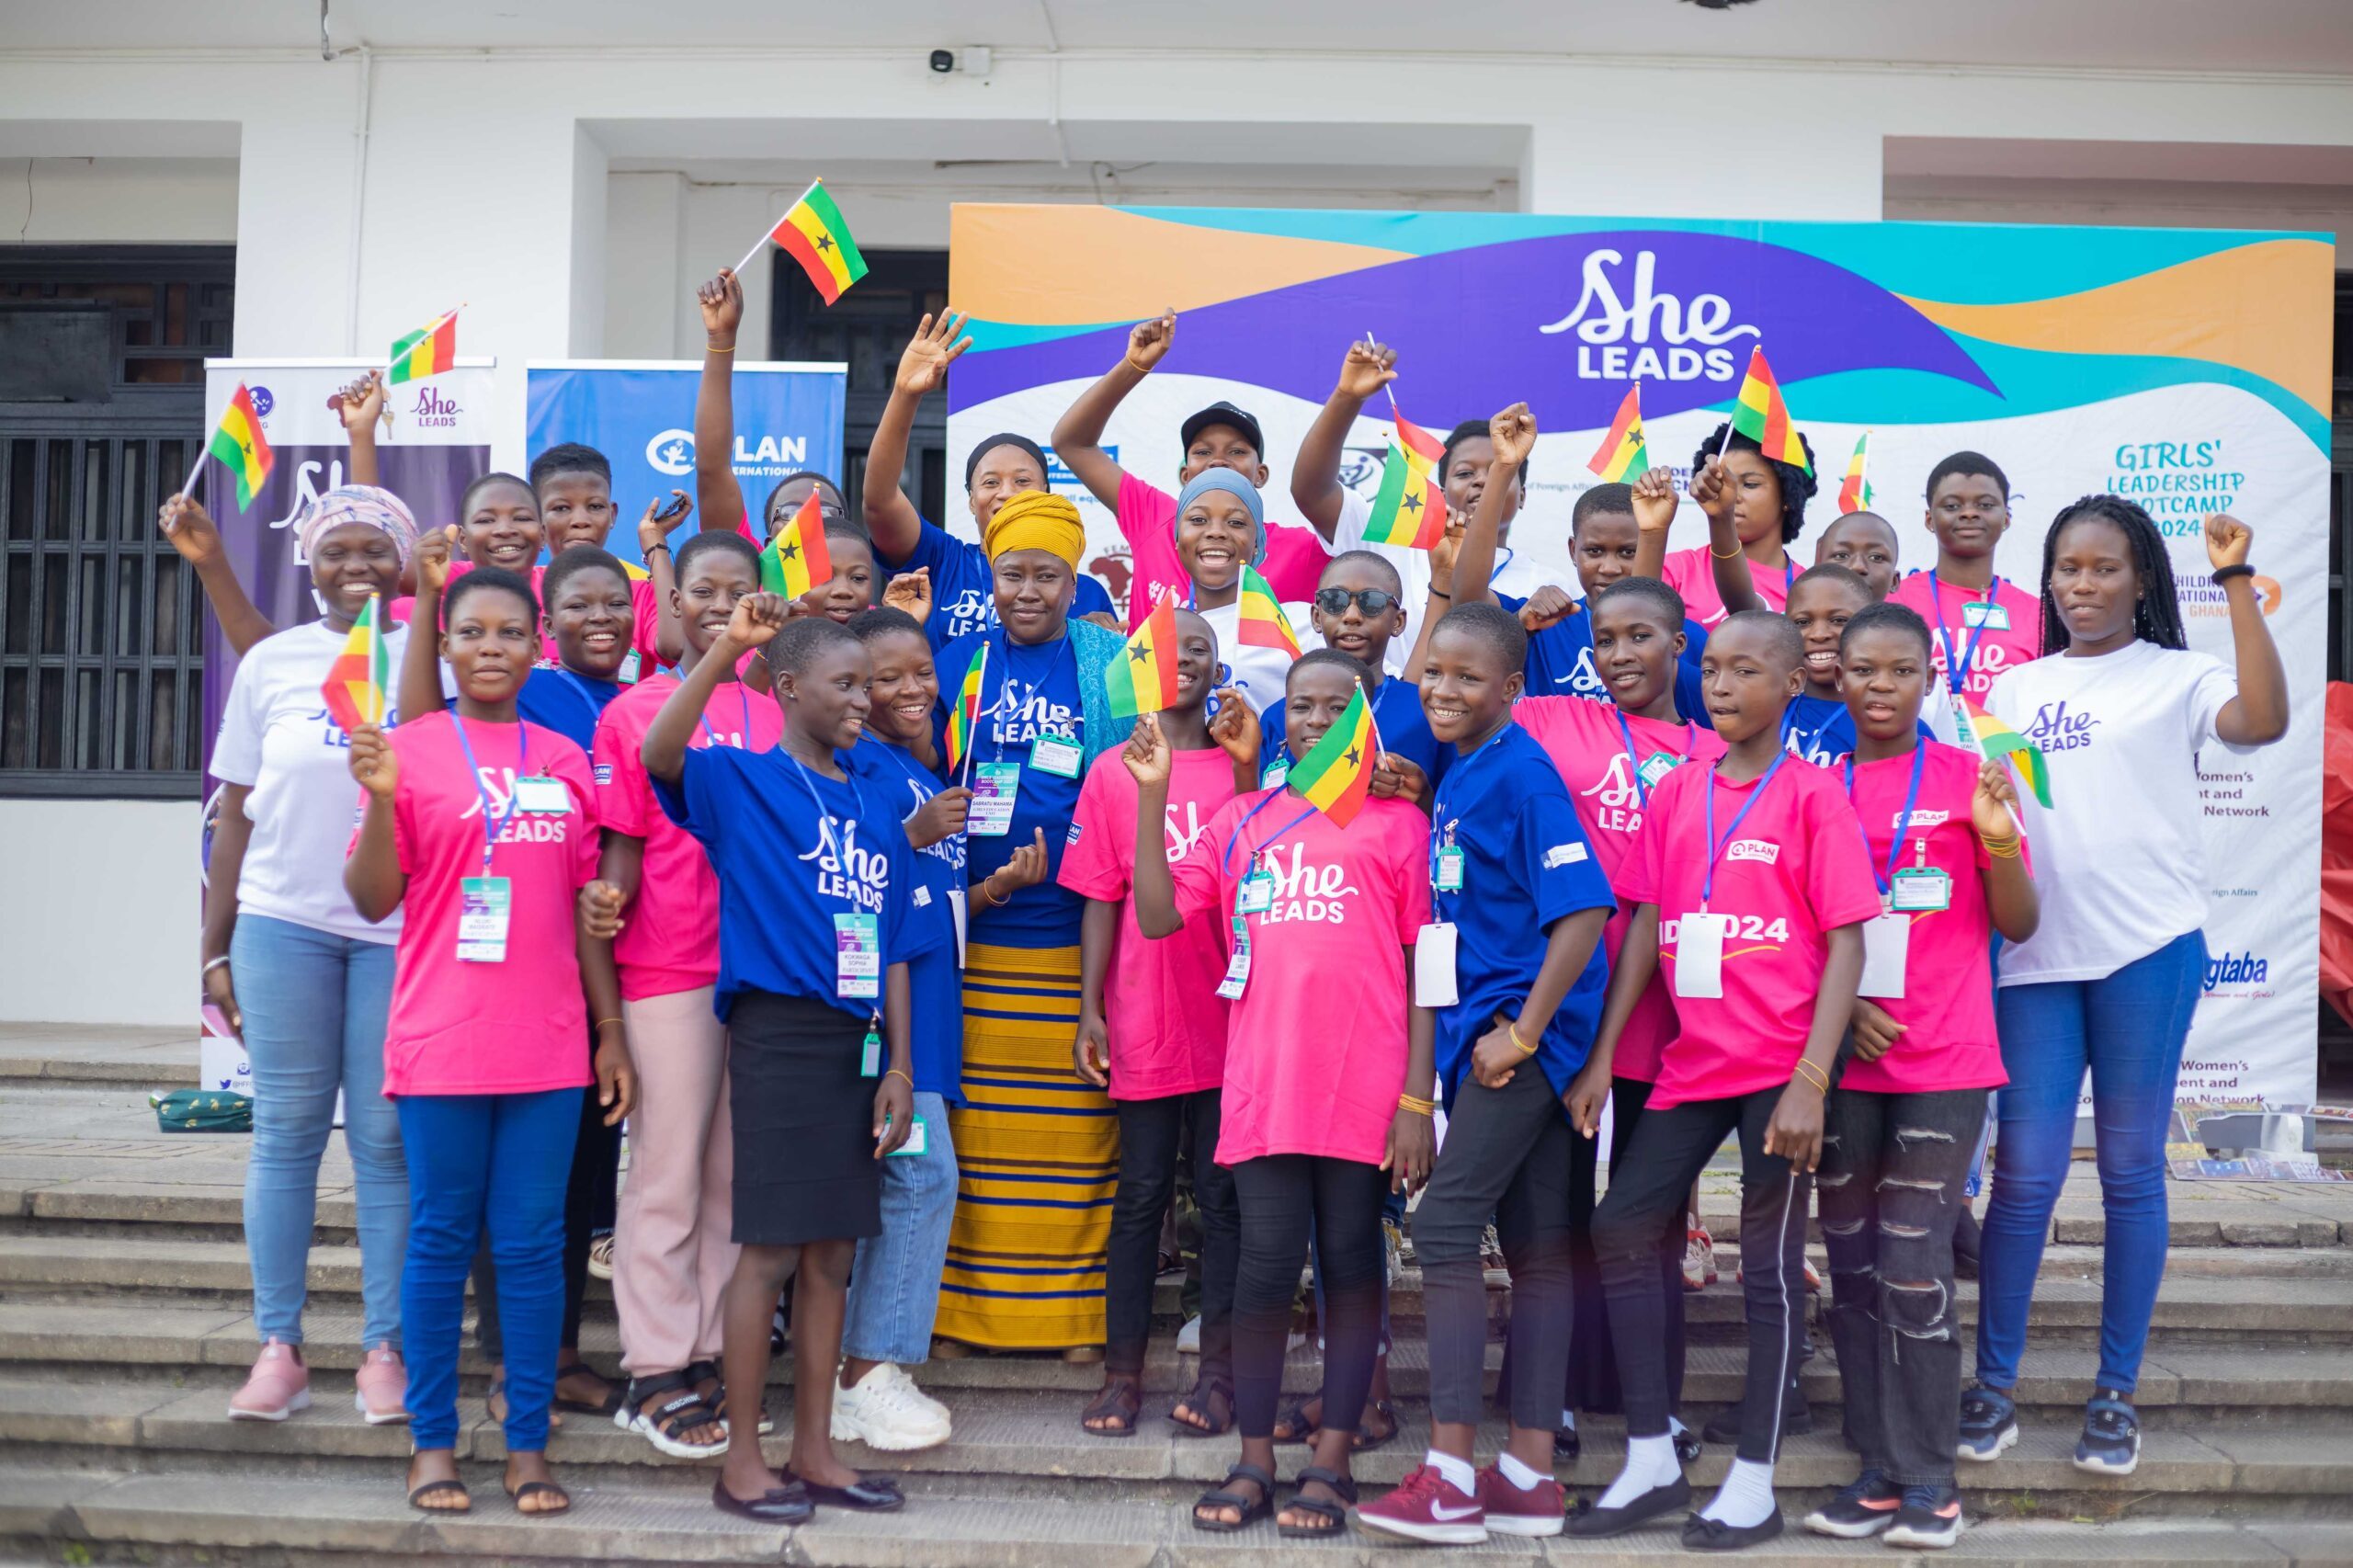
[858, 875]
[2056, 729]
[1023, 712]
[519, 826]
[1617, 802]
[1306, 892]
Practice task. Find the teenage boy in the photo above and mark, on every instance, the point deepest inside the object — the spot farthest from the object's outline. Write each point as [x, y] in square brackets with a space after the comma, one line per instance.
[1864, 543]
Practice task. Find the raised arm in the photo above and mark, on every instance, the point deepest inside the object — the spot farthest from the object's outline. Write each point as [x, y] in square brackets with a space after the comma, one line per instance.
[653, 545]
[1654, 520]
[420, 676]
[717, 495]
[757, 617]
[190, 527]
[891, 517]
[1315, 486]
[1078, 435]
[359, 405]
[2258, 714]
[1734, 585]
[1147, 758]
[1512, 435]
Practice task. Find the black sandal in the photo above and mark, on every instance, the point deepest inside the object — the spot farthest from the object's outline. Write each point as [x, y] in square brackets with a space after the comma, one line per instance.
[1251, 1509]
[1364, 1442]
[435, 1489]
[1334, 1515]
[1120, 1397]
[534, 1489]
[1201, 1401]
[1301, 1429]
[685, 1410]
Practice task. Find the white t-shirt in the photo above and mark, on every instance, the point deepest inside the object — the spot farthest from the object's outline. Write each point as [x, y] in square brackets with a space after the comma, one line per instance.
[2119, 856]
[1514, 575]
[1258, 673]
[276, 738]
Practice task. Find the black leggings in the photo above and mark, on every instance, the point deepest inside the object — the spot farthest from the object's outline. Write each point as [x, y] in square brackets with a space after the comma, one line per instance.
[1593, 1361]
[1282, 1196]
[1150, 1133]
[588, 1205]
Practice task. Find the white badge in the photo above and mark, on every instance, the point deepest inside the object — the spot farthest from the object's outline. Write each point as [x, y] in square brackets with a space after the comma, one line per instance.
[1921, 889]
[956, 907]
[1237, 968]
[1450, 869]
[918, 1140]
[1256, 895]
[542, 797]
[1887, 942]
[1057, 754]
[1434, 966]
[1700, 955]
[997, 789]
[857, 956]
[487, 902]
[629, 668]
[1274, 775]
[1991, 616]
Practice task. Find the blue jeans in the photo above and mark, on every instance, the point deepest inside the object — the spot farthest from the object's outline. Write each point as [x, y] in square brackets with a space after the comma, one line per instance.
[314, 1006]
[895, 1280]
[504, 1162]
[2128, 1029]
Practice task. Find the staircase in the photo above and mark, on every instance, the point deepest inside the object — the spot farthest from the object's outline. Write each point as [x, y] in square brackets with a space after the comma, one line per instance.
[125, 1326]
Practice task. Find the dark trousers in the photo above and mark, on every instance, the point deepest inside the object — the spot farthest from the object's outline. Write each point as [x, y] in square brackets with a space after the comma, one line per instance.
[1647, 1189]
[1892, 1169]
[1593, 1361]
[1506, 1155]
[588, 1204]
[1151, 1131]
[1282, 1196]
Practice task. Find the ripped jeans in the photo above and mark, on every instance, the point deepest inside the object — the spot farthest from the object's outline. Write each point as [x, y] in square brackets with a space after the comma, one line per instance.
[1891, 1187]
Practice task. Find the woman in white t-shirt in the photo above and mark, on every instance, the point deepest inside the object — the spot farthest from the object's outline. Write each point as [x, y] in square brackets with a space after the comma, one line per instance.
[301, 976]
[2110, 980]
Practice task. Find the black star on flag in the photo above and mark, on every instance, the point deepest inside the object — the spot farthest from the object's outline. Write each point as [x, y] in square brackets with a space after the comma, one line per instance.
[1352, 751]
[824, 242]
[785, 552]
[1412, 503]
[1141, 653]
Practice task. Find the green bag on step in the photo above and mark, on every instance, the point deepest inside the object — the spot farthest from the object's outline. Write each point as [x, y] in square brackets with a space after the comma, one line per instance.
[202, 1111]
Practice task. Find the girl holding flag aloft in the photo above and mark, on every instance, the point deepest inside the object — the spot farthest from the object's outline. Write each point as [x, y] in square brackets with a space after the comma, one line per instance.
[1310, 880]
[1766, 467]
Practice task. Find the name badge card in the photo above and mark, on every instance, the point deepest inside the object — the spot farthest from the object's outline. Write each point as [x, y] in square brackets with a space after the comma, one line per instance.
[1434, 951]
[1991, 616]
[996, 787]
[1256, 894]
[1450, 870]
[1660, 765]
[629, 668]
[870, 1057]
[1887, 943]
[485, 904]
[1057, 754]
[857, 957]
[1275, 776]
[542, 797]
[1700, 955]
[918, 1141]
[1237, 968]
[1924, 890]
[956, 908]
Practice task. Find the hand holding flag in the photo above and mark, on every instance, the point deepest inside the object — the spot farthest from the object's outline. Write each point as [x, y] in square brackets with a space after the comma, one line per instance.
[1998, 742]
[814, 234]
[361, 673]
[796, 559]
[1336, 775]
[1143, 678]
[240, 444]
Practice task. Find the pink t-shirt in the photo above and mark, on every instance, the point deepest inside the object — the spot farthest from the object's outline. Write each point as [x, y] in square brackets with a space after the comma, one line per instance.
[1581, 736]
[645, 631]
[1795, 869]
[1295, 557]
[1692, 573]
[669, 939]
[1315, 1051]
[517, 1025]
[1164, 1018]
[1947, 1001]
[1990, 651]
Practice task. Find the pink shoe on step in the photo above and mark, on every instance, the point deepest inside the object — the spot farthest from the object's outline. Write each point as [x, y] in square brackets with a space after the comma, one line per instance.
[277, 1387]
[382, 1392]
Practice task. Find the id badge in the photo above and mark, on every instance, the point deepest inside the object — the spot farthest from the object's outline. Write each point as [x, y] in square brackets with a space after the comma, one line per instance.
[1991, 616]
[1256, 895]
[869, 1051]
[918, 1141]
[1887, 943]
[1275, 776]
[996, 787]
[629, 668]
[956, 908]
[1237, 968]
[1434, 966]
[1660, 765]
[1923, 890]
[1449, 872]
[1057, 754]
[542, 797]
[485, 905]
[1700, 955]
[857, 957]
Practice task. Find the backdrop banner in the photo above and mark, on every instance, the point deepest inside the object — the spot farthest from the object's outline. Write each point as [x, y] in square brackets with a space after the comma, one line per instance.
[2187, 369]
[641, 414]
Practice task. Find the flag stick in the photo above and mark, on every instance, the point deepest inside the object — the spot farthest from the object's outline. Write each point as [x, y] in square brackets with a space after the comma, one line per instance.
[1372, 342]
[197, 467]
[1725, 445]
[748, 254]
[972, 735]
[1378, 750]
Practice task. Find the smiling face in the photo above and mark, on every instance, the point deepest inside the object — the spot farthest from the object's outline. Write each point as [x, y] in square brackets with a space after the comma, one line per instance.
[491, 642]
[575, 507]
[1968, 514]
[351, 564]
[851, 588]
[2094, 581]
[1820, 610]
[1748, 679]
[1222, 446]
[827, 699]
[1466, 481]
[502, 527]
[1215, 539]
[1864, 544]
[1466, 691]
[1884, 679]
[1002, 473]
[1634, 651]
[1034, 589]
[1196, 661]
[591, 618]
[1313, 699]
[1604, 547]
[904, 686]
[706, 595]
[1363, 635]
[1756, 495]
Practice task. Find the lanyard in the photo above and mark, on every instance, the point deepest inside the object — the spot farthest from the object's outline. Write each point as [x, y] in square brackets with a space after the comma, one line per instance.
[824, 822]
[1235, 838]
[1911, 799]
[1454, 778]
[1956, 664]
[579, 684]
[1716, 845]
[1634, 763]
[925, 784]
[1809, 742]
[491, 834]
[704, 719]
[1005, 673]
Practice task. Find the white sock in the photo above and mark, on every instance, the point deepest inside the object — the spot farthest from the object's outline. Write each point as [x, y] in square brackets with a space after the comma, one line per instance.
[1523, 1476]
[1745, 1499]
[1650, 1464]
[1568, 1419]
[1674, 1428]
[1458, 1472]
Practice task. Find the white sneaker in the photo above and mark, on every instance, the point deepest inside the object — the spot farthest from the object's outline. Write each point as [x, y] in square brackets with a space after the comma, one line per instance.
[1189, 1338]
[884, 1410]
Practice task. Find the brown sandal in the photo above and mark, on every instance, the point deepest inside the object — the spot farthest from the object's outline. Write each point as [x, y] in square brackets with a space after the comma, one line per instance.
[1121, 1399]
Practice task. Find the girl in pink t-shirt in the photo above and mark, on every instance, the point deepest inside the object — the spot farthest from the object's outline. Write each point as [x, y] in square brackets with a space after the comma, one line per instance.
[1979, 623]
[481, 829]
[1755, 509]
[1328, 1069]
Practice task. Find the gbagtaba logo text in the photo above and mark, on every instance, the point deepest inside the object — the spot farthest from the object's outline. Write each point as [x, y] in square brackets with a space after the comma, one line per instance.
[2235, 970]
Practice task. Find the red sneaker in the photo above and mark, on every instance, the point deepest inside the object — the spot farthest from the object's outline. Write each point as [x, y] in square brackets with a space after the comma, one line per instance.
[1542, 1509]
[1428, 1507]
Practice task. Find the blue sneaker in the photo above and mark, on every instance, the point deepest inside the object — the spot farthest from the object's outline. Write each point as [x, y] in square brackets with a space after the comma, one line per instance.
[1929, 1518]
[1860, 1510]
[1989, 1423]
[2111, 1441]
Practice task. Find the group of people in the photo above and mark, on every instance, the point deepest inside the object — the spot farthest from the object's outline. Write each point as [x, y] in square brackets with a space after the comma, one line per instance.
[924, 982]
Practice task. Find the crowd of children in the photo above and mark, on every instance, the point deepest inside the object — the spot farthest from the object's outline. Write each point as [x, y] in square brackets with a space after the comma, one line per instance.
[924, 966]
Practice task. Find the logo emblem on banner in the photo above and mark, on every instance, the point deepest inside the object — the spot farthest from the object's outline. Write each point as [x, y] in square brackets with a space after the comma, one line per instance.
[672, 452]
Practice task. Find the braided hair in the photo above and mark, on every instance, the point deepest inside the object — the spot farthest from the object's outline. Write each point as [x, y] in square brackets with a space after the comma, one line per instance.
[2156, 614]
[1798, 484]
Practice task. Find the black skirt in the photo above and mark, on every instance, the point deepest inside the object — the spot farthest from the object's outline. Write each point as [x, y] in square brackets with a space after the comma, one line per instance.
[803, 1119]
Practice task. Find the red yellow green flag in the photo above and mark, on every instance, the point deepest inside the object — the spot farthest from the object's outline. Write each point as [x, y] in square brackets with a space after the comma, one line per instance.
[427, 351]
[813, 235]
[240, 446]
[965, 716]
[1624, 454]
[1761, 416]
[1263, 622]
[796, 559]
[361, 673]
[1337, 772]
[1997, 741]
[1410, 509]
[1855, 495]
[1143, 680]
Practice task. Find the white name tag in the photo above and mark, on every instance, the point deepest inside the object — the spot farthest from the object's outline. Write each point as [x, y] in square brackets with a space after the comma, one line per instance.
[542, 797]
[1887, 943]
[486, 903]
[1991, 617]
[1434, 951]
[997, 789]
[1700, 955]
[1057, 754]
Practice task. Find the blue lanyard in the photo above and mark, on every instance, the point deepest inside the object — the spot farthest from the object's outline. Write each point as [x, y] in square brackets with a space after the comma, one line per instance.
[926, 785]
[825, 822]
[1911, 799]
[745, 699]
[1808, 741]
[1634, 763]
[1454, 778]
[1789, 577]
[491, 834]
[1005, 673]
[579, 684]
[1235, 838]
[1956, 664]
[1716, 845]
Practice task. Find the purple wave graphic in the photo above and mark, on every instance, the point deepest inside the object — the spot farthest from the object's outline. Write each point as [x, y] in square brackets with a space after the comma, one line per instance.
[1678, 311]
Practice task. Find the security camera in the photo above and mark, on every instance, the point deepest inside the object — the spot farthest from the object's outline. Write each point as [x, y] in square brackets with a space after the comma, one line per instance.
[943, 60]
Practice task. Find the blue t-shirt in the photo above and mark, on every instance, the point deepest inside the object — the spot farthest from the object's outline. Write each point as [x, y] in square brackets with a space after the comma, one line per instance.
[1819, 730]
[1026, 690]
[1525, 865]
[1396, 713]
[786, 868]
[963, 590]
[563, 701]
[935, 979]
[1560, 660]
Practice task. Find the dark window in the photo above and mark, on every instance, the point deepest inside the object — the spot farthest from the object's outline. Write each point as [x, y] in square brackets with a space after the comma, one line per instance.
[101, 406]
[868, 327]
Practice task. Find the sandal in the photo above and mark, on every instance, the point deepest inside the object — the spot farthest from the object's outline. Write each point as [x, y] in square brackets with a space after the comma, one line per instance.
[1202, 1401]
[493, 1404]
[1292, 1425]
[416, 1498]
[1251, 1509]
[1334, 1515]
[1120, 1398]
[1301, 1430]
[536, 1488]
[699, 1372]
[604, 1406]
[683, 1412]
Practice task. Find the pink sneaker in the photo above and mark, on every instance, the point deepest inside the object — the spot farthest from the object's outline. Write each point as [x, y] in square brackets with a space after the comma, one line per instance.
[383, 1392]
[1542, 1509]
[277, 1387]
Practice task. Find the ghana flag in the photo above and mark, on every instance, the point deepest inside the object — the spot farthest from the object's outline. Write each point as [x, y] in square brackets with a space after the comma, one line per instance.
[965, 716]
[1855, 492]
[796, 559]
[1997, 741]
[1337, 772]
[361, 673]
[1761, 416]
[1263, 622]
[427, 351]
[1624, 454]
[1410, 510]
[1144, 679]
[240, 446]
[814, 235]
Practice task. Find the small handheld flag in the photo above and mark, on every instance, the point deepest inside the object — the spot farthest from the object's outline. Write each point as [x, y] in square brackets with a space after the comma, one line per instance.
[240, 444]
[815, 234]
[427, 351]
[965, 716]
[1997, 741]
[1143, 678]
[1624, 454]
[1760, 414]
[1337, 773]
[796, 559]
[1263, 622]
[361, 673]
[1855, 494]
[1410, 510]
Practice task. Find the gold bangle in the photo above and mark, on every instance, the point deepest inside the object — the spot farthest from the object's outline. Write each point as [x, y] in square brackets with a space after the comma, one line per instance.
[711, 348]
[1725, 555]
[1417, 1106]
[1139, 370]
[988, 892]
[894, 1072]
[602, 1022]
[2001, 849]
[1819, 1079]
[1518, 1044]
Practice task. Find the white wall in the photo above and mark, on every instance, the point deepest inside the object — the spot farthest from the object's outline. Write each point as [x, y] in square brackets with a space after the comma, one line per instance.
[100, 924]
[99, 200]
